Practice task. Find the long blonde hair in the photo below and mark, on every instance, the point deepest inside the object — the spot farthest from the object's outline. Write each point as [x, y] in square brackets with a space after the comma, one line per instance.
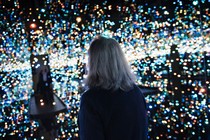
[108, 67]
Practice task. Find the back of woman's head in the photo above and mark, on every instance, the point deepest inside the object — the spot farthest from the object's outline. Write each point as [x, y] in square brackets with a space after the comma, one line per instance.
[107, 65]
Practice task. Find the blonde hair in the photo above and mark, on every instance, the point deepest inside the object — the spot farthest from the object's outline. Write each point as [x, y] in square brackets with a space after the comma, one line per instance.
[108, 67]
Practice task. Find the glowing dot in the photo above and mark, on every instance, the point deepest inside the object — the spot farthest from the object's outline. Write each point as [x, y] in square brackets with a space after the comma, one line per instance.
[78, 19]
[33, 25]
[202, 90]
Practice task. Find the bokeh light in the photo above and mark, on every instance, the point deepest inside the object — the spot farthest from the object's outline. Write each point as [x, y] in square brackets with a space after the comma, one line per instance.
[146, 32]
[33, 25]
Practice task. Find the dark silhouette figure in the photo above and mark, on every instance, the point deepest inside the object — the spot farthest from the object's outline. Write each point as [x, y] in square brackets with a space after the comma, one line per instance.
[113, 107]
[44, 86]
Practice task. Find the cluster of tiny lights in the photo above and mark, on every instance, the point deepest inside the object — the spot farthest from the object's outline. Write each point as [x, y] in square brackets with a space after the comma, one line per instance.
[146, 32]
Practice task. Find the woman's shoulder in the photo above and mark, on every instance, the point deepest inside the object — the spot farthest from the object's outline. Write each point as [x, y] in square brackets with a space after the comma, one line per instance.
[95, 92]
[89, 92]
[100, 92]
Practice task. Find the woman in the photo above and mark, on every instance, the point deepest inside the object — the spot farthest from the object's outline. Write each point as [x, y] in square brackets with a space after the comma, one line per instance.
[113, 108]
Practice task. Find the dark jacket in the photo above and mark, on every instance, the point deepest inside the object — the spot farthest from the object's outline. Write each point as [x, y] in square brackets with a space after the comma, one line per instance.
[107, 115]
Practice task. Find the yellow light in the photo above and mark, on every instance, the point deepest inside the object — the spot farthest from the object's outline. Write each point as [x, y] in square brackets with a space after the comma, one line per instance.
[78, 19]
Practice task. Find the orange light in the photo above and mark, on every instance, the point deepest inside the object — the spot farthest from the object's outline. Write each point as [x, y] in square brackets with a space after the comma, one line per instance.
[33, 25]
[202, 90]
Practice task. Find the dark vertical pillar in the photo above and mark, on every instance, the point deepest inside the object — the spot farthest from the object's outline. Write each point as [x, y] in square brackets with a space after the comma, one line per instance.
[175, 74]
